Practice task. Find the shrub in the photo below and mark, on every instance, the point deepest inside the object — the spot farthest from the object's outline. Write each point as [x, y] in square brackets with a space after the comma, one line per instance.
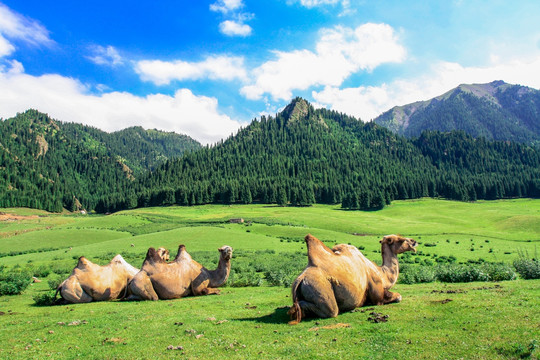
[475, 272]
[14, 282]
[526, 267]
[45, 299]
[244, 279]
[499, 271]
[41, 271]
[414, 274]
[461, 273]
[280, 277]
[55, 281]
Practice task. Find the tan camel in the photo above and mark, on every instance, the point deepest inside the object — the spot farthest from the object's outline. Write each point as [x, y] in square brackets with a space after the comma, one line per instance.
[342, 279]
[91, 282]
[181, 277]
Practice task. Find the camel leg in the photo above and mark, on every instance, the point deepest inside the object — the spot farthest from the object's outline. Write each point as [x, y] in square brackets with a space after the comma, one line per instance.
[318, 299]
[391, 297]
[201, 288]
[141, 288]
[72, 292]
[380, 296]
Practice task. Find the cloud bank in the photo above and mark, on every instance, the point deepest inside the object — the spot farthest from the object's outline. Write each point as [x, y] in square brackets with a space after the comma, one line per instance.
[68, 99]
[213, 67]
[340, 52]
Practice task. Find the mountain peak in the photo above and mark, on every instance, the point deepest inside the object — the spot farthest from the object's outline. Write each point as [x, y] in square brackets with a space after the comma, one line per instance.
[494, 110]
[297, 110]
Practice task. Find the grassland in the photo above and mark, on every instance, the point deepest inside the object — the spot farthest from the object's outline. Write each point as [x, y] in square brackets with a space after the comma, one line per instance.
[435, 320]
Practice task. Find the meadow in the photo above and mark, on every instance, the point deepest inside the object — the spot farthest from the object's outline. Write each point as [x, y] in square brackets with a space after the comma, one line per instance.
[495, 319]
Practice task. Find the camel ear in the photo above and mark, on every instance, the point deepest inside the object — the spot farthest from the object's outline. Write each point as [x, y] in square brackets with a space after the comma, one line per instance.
[389, 239]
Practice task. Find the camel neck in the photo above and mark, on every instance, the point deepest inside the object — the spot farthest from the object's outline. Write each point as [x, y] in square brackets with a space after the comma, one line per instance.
[221, 274]
[390, 265]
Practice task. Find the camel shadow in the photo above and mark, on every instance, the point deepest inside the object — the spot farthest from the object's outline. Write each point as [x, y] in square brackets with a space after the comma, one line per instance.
[279, 316]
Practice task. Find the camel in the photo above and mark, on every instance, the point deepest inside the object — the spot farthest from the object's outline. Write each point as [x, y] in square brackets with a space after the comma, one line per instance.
[91, 282]
[181, 277]
[342, 278]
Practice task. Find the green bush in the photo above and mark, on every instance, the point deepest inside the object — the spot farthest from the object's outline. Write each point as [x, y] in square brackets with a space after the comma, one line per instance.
[499, 271]
[45, 299]
[415, 274]
[527, 268]
[41, 271]
[461, 273]
[14, 282]
[244, 279]
[280, 277]
[55, 281]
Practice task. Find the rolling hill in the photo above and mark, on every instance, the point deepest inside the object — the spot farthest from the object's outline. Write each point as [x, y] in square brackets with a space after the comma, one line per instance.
[52, 165]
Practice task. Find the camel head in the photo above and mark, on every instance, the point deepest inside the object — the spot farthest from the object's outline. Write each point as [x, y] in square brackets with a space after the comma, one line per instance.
[399, 244]
[226, 252]
[163, 253]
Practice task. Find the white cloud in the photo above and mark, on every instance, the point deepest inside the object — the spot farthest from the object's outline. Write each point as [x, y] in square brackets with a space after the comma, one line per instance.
[234, 28]
[235, 24]
[16, 27]
[6, 48]
[225, 6]
[310, 4]
[68, 99]
[213, 67]
[370, 101]
[339, 53]
[314, 3]
[105, 55]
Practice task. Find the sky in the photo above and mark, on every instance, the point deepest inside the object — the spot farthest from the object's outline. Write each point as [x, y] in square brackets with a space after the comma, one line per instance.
[207, 68]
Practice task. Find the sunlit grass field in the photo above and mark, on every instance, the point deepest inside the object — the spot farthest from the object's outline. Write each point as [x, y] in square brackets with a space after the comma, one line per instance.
[473, 320]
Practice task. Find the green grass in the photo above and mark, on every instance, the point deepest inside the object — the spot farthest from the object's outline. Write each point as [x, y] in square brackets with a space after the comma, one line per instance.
[424, 326]
[482, 320]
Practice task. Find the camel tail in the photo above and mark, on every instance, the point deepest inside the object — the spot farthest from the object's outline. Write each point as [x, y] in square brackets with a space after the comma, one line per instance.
[295, 312]
[56, 301]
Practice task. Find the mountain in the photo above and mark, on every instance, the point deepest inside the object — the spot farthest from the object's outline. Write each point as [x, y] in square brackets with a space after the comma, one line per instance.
[52, 165]
[304, 156]
[140, 150]
[299, 157]
[496, 111]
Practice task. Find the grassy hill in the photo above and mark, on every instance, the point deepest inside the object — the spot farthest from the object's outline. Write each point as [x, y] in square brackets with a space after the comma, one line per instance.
[493, 320]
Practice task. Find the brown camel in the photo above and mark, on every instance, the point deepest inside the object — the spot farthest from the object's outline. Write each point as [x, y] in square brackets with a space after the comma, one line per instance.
[91, 282]
[342, 279]
[181, 277]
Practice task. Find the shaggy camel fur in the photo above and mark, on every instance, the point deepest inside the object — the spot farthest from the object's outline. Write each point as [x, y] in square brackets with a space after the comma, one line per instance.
[181, 277]
[91, 282]
[342, 278]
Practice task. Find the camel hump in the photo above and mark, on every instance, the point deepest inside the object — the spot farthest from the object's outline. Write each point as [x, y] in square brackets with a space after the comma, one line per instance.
[153, 256]
[317, 252]
[83, 263]
[182, 253]
[310, 238]
[118, 259]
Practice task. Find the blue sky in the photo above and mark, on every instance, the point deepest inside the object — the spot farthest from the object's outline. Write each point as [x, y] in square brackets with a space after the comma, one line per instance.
[205, 68]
